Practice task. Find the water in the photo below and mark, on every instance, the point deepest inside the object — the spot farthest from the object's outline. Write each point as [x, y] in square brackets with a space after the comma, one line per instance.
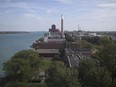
[12, 43]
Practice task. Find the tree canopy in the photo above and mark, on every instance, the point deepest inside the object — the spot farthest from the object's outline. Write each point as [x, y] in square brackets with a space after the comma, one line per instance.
[107, 58]
[98, 71]
[22, 65]
[90, 75]
[61, 76]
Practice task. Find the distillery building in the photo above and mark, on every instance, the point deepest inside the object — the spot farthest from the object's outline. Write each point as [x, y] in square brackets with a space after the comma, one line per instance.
[54, 42]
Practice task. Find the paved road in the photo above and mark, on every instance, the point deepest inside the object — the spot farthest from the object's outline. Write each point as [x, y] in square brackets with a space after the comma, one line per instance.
[73, 60]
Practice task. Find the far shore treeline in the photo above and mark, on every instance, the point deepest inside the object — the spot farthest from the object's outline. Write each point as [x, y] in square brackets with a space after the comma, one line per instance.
[12, 32]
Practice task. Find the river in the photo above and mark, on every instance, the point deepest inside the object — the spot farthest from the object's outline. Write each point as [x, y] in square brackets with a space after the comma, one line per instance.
[12, 43]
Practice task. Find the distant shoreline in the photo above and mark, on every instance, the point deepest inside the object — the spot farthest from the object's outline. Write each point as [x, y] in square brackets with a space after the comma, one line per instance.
[12, 32]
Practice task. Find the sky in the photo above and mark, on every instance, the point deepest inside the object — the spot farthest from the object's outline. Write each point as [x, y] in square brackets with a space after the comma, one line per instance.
[39, 15]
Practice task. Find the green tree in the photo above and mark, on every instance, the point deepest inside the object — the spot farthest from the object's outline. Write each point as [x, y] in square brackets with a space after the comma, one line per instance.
[98, 77]
[41, 39]
[69, 38]
[26, 54]
[60, 76]
[18, 70]
[86, 44]
[30, 56]
[91, 75]
[113, 83]
[94, 40]
[16, 84]
[85, 66]
[23, 84]
[22, 66]
[107, 58]
[105, 40]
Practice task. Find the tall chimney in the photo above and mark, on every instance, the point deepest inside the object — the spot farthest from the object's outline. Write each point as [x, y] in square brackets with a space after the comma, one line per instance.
[61, 25]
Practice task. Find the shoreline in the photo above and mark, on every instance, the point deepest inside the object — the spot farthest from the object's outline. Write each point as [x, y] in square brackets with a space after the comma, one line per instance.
[10, 32]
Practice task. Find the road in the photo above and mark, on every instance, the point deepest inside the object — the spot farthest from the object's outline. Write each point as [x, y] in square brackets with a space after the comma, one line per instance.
[73, 60]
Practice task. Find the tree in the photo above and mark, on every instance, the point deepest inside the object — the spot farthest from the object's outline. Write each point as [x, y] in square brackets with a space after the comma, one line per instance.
[105, 40]
[113, 83]
[93, 40]
[107, 58]
[96, 40]
[85, 66]
[26, 54]
[91, 75]
[86, 44]
[16, 84]
[30, 56]
[60, 76]
[18, 70]
[23, 84]
[99, 77]
[22, 66]
[69, 38]
[41, 39]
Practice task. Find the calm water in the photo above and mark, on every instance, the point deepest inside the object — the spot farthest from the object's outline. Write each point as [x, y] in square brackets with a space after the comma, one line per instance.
[12, 43]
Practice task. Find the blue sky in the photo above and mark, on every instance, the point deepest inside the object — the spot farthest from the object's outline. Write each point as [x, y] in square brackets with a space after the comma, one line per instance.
[39, 15]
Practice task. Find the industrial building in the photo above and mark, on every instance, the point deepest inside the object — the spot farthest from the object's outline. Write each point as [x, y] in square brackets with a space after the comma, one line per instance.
[54, 42]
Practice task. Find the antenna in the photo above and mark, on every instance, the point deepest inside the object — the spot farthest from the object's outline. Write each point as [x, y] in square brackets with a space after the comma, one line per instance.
[78, 27]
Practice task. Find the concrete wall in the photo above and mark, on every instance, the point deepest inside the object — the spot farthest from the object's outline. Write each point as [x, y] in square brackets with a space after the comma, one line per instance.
[48, 50]
[55, 39]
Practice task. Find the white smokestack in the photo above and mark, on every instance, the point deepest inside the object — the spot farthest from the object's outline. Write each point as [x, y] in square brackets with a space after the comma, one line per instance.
[62, 17]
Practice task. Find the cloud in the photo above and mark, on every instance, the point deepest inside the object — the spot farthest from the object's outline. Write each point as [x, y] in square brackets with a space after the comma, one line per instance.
[107, 5]
[30, 7]
[14, 5]
[65, 1]
[32, 16]
[101, 14]
[51, 11]
[6, 1]
[7, 11]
